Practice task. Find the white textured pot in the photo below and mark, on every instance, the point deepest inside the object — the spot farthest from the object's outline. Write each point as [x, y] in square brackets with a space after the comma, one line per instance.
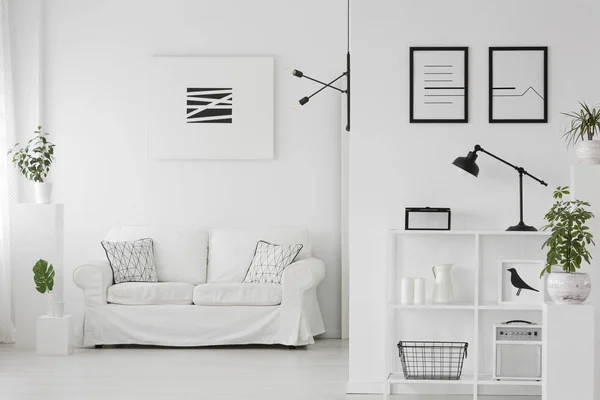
[58, 308]
[43, 192]
[568, 288]
[588, 151]
[50, 304]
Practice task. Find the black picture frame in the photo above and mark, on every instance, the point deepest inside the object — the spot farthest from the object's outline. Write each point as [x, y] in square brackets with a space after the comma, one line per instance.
[491, 88]
[412, 118]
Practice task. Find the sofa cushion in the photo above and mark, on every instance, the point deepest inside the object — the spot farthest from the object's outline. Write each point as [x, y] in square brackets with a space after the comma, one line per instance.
[131, 261]
[232, 250]
[269, 262]
[180, 254]
[143, 293]
[237, 294]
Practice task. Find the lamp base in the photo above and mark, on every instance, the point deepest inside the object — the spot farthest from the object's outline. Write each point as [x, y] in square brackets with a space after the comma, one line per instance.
[521, 227]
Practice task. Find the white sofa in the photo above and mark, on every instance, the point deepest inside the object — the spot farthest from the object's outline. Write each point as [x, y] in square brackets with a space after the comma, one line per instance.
[200, 299]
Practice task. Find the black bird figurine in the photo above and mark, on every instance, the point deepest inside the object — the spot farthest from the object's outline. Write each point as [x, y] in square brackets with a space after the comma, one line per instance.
[517, 282]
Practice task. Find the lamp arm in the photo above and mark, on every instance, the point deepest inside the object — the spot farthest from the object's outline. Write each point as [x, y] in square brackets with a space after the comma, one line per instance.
[327, 84]
[520, 170]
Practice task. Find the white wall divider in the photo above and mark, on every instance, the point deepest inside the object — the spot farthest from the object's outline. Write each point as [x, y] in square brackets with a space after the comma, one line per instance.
[584, 186]
[568, 353]
[37, 233]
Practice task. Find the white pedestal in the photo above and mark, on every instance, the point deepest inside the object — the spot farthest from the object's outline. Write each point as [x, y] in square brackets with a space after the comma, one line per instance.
[37, 232]
[54, 336]
[568, 360]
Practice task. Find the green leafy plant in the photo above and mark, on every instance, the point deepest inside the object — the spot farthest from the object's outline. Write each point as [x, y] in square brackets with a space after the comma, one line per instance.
[43, 276]
[34, 160]
[584, 123]
[570, 235]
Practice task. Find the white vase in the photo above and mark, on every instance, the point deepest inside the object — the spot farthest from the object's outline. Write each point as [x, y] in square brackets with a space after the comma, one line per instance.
[58, 308]
[43, 192]
[588, 151]
[568, 288]
[50, 304]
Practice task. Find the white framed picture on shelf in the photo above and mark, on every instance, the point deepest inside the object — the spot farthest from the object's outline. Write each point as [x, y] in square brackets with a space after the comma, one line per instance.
[519, 282]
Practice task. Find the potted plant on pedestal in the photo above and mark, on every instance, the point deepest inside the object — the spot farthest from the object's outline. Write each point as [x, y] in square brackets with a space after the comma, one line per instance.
[33, 162]
[43, 276]
[567, 249]
[582, 132]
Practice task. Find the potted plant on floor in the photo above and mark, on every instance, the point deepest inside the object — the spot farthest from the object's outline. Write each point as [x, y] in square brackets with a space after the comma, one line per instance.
[43, 277]
[582, 132]
[34, 161]
[567, 249]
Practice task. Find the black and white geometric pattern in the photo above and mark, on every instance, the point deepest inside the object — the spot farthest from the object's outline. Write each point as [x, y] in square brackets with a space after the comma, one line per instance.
[131, 261]
[205, 105]
[269, 262]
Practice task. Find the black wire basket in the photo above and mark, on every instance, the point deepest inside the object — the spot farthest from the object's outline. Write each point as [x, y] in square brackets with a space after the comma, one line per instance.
[432, 360]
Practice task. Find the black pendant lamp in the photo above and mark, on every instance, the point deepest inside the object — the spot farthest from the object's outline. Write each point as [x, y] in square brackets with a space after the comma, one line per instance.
[469, 165]
[300, 74]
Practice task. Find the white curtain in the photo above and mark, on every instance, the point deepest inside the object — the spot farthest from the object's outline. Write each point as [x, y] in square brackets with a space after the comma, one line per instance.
[7, 177]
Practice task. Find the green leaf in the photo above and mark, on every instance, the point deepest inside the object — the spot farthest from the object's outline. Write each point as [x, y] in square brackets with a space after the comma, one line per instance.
[43, 276]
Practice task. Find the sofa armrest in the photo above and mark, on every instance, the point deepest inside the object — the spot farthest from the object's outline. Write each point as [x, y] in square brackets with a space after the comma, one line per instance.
[94, 279]
[303, 275]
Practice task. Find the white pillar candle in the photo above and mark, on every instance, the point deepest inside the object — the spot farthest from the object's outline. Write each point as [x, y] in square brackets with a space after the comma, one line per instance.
[406, 293]
[419, 291]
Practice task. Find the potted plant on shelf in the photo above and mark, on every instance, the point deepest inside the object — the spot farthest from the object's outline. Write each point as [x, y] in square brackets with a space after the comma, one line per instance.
[34, 161]
[43, 276]
[581, 132]
[567, 249]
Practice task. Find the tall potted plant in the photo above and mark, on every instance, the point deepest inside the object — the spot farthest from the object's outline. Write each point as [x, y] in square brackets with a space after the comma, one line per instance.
[567, 249]
[34, 161]
[582, 133]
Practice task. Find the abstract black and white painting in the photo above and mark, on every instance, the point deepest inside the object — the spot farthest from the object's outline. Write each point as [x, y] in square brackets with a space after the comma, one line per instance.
[210, 108]
[518, 84]
[519, 282]
[439, 84]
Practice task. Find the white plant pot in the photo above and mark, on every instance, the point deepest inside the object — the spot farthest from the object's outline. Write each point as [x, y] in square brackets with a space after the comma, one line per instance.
[568, 288]
[59, 308]
[588, 151]
[50, 304]
[43, 192]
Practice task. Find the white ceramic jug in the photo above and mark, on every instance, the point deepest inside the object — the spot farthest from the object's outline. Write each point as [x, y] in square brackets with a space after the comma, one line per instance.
[442, 290]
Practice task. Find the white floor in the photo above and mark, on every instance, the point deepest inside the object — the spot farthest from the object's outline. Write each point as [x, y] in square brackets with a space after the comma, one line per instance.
[258, 372]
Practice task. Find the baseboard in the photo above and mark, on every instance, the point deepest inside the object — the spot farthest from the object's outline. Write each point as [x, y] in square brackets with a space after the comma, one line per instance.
[337, 334]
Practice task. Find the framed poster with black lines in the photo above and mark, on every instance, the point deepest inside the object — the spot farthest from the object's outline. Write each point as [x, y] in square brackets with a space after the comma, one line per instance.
[518, 85]
[439, 84]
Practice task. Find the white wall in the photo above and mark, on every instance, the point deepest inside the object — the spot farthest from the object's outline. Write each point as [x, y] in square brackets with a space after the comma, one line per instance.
[96, 57]
[394, 164]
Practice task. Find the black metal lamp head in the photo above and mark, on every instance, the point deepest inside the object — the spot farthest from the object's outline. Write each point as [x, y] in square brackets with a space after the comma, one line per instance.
[304, 100]
[297, 73]
[468, 163]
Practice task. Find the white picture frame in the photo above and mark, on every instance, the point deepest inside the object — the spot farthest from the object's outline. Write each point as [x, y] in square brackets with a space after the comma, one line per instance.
[211, 108]
[528, 271]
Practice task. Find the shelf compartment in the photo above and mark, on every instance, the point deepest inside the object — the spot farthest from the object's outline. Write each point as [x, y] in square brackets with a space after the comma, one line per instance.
[486, 380]
[398, 378]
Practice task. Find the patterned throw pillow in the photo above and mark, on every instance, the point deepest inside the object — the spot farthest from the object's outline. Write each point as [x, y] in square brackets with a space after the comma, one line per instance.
[131, 261]
[269, 262]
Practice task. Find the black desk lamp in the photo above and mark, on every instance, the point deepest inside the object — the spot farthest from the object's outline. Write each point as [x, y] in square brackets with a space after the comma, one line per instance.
[468, 164]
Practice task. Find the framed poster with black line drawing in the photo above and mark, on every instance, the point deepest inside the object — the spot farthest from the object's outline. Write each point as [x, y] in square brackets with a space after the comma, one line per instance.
[518, 85]
[439, 84]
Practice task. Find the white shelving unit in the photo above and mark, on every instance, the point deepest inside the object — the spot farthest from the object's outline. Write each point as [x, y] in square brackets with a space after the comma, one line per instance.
[475, 255]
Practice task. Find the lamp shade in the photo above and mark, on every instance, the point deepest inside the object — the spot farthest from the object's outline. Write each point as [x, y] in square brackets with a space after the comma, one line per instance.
[468, 163]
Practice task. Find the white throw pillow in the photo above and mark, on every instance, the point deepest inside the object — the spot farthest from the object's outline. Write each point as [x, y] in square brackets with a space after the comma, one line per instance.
[131, 261]
[269, 262]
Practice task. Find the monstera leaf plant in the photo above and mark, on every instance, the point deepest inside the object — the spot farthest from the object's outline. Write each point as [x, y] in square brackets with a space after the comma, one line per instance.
[43, 276]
